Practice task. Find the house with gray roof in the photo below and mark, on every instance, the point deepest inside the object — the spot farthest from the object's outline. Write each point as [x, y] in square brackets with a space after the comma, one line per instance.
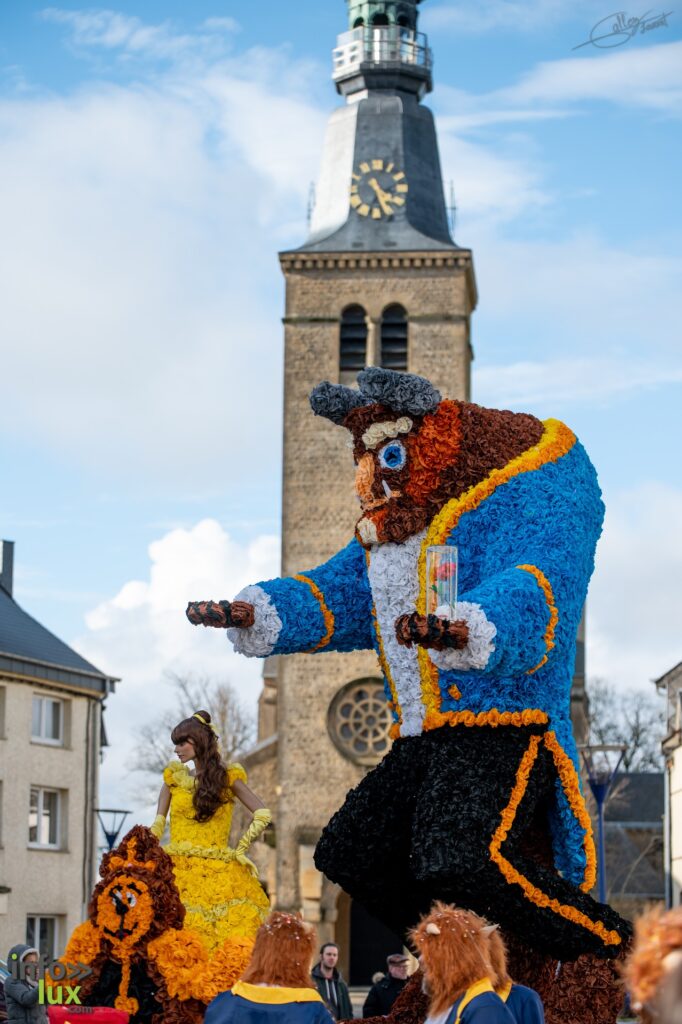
[670, 683]
[51, 735]
[634, 839]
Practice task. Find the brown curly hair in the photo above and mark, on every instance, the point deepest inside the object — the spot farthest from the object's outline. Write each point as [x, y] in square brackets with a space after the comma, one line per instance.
[657, 933]
[454, 953]
[212, 789]
[497, 951]
[283, 952]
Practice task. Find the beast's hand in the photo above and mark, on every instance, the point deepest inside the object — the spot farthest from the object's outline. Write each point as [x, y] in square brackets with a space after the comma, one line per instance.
[221, 614]
[431, 631]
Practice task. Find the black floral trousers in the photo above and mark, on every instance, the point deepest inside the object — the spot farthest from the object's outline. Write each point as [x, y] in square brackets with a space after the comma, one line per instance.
[450, 815]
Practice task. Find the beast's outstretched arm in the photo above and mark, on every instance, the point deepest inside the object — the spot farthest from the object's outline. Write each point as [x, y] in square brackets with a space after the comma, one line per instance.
[326, 609]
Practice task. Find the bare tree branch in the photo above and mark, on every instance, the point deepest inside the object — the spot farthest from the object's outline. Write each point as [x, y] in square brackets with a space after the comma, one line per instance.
[235, 724]
[631, 717]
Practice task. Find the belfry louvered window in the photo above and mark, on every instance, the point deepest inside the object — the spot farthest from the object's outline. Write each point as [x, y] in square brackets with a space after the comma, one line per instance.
[353, 344]
[394, 338]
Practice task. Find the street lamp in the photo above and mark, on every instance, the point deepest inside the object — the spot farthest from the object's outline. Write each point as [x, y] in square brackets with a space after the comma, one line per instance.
[602, 761]
[115, 823]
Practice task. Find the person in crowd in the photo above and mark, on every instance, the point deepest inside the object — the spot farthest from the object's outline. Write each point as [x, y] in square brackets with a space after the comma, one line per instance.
[218, 886]
[276, 987]
[454, 954]
[524, 1003]
[21, 987]
[330, 984]
[388, 987]
[656, 952]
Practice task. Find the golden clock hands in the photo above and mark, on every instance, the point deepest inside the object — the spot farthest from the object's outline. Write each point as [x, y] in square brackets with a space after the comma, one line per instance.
[385, 199]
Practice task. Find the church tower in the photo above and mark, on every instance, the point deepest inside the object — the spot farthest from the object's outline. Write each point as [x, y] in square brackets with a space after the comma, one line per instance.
[380, 282]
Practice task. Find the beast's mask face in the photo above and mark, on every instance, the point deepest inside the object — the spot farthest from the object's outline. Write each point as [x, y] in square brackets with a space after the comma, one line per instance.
[403, 465]
[124, 911]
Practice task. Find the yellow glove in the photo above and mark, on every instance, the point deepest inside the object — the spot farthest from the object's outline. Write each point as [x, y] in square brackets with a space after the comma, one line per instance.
[242, 859]
[261, 819]
[159, 826]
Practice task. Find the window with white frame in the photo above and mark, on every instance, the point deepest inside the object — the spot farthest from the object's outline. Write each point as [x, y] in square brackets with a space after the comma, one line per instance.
[47, 720]
[44, 818]
[42, 933]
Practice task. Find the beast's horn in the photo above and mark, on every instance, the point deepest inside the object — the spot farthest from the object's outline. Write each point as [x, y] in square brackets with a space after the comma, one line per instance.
[335, 401]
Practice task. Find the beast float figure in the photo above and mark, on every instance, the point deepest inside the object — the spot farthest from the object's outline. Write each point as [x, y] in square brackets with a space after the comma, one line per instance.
[479, 801]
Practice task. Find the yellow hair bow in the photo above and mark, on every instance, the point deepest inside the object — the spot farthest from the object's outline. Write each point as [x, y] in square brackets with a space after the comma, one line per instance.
[203, 721]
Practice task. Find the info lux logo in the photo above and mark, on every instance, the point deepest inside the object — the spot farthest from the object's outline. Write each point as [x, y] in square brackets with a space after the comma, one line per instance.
[56, 993]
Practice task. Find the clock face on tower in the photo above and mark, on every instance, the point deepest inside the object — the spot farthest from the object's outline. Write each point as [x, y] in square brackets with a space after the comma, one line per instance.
[378, 188]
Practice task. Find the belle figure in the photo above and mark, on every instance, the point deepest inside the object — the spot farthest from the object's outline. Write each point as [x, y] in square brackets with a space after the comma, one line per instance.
[218, 886]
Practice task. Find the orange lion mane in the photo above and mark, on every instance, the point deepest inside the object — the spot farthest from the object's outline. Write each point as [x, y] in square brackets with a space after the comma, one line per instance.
[283, 952]
[657, 933]
[453, 948]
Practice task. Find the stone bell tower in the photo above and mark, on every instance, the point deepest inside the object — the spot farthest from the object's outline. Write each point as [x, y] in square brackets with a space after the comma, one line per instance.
[378, 282]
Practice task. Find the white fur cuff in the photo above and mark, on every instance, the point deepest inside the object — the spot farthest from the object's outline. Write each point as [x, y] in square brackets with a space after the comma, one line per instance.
[480, 645]
[258, 640]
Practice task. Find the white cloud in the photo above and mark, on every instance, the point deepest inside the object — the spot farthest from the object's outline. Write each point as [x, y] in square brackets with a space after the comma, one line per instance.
[572, 294]
[634, 603]
[131, 37]
[587, 379]
[221, 24]
[648, 76]
[141, 633]
[508, 15]
[141, 318]
[492, 186]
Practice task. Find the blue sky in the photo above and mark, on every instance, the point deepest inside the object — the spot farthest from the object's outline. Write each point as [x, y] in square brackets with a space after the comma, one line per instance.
[154, 157]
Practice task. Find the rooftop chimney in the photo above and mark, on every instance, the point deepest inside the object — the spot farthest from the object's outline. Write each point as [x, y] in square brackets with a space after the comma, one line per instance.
[7, 565]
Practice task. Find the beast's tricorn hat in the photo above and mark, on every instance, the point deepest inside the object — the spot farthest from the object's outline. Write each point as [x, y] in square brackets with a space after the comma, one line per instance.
[400, 392]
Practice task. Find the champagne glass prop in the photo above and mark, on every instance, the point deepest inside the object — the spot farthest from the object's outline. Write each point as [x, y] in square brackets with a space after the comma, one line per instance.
[441, 576]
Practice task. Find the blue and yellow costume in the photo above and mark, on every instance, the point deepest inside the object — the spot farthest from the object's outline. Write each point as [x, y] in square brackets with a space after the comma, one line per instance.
[264, 1004]
[523, 1003]
[479, 1005]
[484, 749]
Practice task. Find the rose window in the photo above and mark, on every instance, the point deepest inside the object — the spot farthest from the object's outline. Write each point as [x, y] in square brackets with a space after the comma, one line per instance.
[359, 721]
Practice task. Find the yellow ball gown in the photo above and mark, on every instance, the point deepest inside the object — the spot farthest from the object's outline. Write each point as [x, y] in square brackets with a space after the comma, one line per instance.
[223, 900]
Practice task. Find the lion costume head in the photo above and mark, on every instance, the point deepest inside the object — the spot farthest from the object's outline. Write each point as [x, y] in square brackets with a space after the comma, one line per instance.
[142, 959]
[454, 952]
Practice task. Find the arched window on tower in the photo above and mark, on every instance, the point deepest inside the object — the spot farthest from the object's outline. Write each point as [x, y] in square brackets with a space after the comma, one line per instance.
[352, 343]
[379, 19]
[359, 23]
[394, 338]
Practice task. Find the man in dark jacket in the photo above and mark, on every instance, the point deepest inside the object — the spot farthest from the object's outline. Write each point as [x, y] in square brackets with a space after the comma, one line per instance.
[330, 984]
[384, 993]
[21, 988]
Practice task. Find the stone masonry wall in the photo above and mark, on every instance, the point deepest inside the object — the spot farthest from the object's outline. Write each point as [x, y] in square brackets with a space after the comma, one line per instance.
[320, 509]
